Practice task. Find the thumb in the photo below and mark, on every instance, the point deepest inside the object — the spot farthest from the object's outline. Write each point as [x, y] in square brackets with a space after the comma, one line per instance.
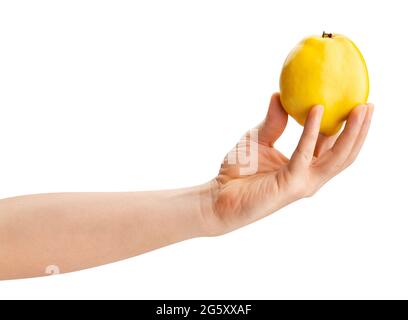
[275, 122]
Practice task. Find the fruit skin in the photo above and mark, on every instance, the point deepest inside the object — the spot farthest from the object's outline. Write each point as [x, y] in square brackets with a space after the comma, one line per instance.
[328, 70]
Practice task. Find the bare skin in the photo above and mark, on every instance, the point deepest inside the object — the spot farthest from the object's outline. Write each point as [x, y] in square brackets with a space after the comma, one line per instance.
[74, 231]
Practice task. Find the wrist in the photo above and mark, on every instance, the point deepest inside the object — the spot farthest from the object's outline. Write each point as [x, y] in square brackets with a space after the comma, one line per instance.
[193, 209]
[210, 222]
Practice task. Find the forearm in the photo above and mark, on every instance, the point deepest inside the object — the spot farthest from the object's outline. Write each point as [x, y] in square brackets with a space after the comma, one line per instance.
[80, 230]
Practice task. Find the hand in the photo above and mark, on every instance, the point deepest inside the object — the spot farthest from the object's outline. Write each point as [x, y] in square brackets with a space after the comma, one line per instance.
[240, 198]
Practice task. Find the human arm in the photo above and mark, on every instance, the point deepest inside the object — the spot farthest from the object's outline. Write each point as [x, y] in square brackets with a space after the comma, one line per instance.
[65, 232]
[73, 231]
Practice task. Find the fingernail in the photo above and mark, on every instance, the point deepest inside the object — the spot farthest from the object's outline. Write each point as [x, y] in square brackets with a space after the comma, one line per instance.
[370, 110]
[362, 113]
[320, 109]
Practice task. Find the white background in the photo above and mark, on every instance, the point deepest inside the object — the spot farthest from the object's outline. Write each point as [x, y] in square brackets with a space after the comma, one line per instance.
[126, 95]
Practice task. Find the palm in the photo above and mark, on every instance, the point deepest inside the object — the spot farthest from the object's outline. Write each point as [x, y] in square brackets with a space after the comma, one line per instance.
[243, 193]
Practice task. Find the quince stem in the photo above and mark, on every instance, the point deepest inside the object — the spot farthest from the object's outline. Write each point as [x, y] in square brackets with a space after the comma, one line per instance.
[327, 35]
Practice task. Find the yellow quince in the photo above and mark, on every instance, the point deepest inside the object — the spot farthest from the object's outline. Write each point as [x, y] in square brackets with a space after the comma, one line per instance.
[328, 70]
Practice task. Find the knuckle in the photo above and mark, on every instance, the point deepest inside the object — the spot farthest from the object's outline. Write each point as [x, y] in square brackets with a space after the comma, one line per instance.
[311, 136]
[337, 167]
[351, 160]
[298, 185]
[312, 190]
[302, 155]
[348, 163]
[305, 183]
[311, 187]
